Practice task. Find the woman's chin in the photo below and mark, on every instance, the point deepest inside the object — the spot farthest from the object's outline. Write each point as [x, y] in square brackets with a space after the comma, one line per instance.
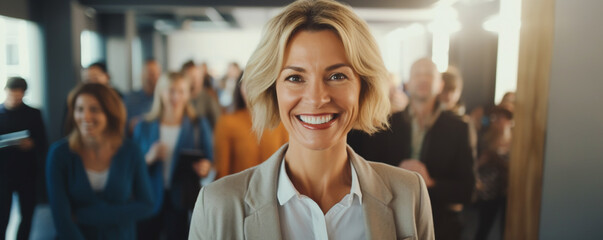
[320, 143]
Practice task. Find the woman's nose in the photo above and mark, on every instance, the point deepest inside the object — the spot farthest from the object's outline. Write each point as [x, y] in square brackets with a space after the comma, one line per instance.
[87, 115]
[317, 92]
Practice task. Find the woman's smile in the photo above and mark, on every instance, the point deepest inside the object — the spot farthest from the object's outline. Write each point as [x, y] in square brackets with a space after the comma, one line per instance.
[317, 121]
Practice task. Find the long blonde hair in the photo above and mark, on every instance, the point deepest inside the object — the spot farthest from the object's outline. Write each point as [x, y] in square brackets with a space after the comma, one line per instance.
[157, 108]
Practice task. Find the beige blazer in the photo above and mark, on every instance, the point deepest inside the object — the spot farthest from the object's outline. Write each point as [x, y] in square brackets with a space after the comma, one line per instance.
[244, 205]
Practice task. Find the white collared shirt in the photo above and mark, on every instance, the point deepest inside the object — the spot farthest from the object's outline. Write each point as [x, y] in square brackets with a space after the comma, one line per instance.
[302, 218]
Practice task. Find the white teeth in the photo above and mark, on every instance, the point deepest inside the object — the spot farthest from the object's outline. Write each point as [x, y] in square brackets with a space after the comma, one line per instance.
[316, 119]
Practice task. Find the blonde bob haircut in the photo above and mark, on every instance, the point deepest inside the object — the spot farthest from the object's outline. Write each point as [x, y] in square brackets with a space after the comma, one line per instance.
[111, 105]
[265, 63]
[163, 84]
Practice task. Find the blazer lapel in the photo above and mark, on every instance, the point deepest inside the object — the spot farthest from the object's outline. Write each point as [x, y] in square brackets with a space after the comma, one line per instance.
[379, 217]
[263, 221]
[263, 224]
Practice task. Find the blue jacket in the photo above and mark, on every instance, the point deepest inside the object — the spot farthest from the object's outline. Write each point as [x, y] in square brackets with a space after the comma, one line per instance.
[81, 213]
[146, 133]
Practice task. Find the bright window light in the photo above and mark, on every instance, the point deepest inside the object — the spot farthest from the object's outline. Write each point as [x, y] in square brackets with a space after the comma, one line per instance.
[21, 55]
[507, 25]
[401, 47]
[445, 23]
[91, 48]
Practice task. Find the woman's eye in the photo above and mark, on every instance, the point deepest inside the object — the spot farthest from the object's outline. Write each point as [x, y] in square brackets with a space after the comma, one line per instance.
[338, 76]
[293, 78]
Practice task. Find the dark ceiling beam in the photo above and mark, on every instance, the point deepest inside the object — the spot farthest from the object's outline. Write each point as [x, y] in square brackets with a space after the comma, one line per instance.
[132, 4]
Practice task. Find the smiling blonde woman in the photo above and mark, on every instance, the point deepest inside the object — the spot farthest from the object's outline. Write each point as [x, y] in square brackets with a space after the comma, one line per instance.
[317, 70]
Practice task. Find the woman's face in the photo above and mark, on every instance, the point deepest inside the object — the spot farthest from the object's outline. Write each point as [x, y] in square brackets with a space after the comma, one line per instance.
[177, 95]
[450, 97]
[317, 90]
[89, 116]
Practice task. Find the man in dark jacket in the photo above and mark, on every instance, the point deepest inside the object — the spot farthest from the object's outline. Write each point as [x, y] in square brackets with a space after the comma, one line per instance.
[433, 143]
[21, 160]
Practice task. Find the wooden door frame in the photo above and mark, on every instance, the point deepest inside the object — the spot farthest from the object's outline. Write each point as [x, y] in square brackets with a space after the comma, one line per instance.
[529, 133]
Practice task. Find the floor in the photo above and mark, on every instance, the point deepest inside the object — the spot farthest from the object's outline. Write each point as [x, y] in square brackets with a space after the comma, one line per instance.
[42, 227]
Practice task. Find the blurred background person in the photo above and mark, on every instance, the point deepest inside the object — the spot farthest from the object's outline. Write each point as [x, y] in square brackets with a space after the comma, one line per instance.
[208, 80]
[227, 86]
[98, 185]
[440, 150]
[237, 146]
[169, 129]
[493, 172]
[450, 100]
[204, 104]
[139, 102]
[98, 73]
[21, 164]
[397, 98]
[432, 142]
[450, 96]
[480, 118]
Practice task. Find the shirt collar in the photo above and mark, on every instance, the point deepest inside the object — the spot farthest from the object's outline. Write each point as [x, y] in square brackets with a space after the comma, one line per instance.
[286, 190]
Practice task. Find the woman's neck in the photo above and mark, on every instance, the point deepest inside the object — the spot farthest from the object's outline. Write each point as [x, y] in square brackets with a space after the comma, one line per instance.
[172, 116]
[322, 175]
[96, 145]
[423, 110]
[93, 142]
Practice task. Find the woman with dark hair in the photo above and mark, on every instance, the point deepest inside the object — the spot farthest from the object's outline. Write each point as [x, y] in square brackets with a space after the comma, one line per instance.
[98, 185]
[493, 171]
[236, 146]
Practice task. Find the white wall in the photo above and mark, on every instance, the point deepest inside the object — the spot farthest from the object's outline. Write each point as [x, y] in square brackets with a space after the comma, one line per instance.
[572, 197]
[217, 48]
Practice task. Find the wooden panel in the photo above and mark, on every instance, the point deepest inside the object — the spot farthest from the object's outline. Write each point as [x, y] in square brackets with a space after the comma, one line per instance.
[526, 165]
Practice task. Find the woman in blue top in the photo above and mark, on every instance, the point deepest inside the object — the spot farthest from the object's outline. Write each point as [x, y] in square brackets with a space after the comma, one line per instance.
[98, 185]
[170, 129]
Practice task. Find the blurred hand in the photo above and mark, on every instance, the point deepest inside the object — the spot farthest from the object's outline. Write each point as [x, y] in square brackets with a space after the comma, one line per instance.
[158, 152]
[420, 168]
[26, 144]
[202, 167]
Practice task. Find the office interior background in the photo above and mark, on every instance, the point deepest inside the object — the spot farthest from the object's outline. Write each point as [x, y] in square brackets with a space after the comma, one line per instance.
[49, 42]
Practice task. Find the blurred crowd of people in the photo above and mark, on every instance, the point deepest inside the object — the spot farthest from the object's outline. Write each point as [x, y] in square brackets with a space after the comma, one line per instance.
[131, 164]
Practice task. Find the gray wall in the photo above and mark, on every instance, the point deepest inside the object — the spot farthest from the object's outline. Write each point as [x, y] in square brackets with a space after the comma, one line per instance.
[572, 200]
[474, 50]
